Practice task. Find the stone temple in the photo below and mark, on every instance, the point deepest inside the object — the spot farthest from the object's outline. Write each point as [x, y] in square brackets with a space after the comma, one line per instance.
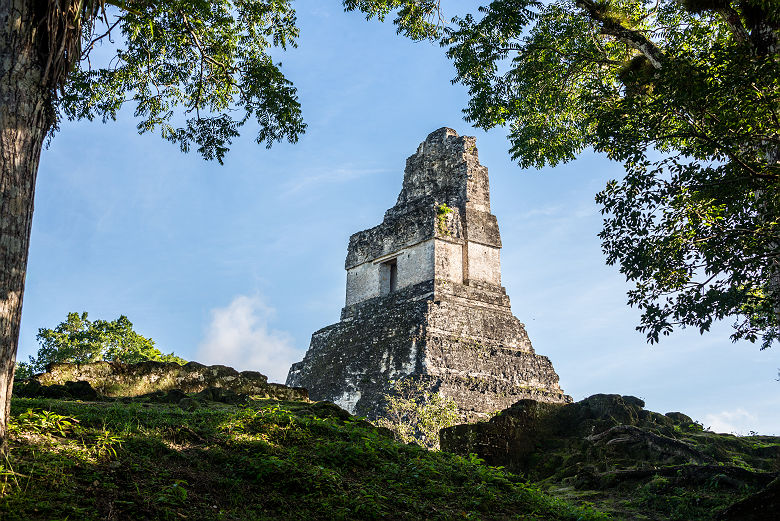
[425, 301]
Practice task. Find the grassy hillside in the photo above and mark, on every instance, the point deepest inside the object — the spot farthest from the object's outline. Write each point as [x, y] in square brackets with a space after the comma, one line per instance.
[261, 460]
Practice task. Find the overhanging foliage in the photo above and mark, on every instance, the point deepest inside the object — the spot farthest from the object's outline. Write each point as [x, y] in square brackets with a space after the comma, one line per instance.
[685, 94]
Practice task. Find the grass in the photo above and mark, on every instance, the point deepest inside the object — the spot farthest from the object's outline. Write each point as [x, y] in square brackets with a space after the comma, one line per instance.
[267, 460]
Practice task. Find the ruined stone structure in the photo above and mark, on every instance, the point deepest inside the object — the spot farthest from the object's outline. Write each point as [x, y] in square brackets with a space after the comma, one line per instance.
[116, 379]
[424, 299]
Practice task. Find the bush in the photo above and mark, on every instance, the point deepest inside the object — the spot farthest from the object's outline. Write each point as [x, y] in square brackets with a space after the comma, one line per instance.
[416, 414]
[80, 340]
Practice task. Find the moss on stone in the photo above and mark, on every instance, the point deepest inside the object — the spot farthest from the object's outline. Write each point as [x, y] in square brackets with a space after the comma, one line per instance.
[115, 379]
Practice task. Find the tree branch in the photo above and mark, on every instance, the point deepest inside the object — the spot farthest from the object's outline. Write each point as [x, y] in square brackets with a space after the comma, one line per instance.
[732, 19]
[613, 27]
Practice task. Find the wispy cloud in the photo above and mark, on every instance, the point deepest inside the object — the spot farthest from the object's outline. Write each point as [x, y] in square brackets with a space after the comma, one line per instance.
[338, 175]
[540, 211]
[738, 421]
[239, 336]
[557, 212]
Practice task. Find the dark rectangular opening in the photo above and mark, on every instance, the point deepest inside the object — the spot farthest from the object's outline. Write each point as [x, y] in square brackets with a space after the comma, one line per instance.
[393, 275]
[388, 276]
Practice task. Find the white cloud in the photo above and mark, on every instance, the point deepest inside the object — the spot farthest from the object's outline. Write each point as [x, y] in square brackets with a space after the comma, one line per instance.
[239, 336]
[337, 175]
[738, 421]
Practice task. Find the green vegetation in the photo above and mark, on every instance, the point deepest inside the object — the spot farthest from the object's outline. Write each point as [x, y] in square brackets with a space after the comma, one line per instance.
[80, 340]
[267, 460]
[194, 71]
[442, 211]
[683, 93]
[416, 414]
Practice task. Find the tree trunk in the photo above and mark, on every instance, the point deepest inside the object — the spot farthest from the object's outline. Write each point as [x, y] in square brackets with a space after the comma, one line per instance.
[25, 119]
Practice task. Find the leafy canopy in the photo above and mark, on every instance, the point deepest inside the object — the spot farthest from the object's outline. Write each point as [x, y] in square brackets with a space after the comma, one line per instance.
[684, 93]
[80, 340]
[196, 71]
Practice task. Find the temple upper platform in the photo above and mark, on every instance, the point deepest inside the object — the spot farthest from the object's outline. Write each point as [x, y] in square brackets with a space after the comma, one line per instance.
[440, 228]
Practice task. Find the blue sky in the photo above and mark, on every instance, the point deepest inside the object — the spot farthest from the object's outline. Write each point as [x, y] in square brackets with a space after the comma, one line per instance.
[239, 264]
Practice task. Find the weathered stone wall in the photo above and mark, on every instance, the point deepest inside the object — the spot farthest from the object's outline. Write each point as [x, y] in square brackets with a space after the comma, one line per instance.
[483, 228]
[415, 264]
[445, 171]
[396, 232]
[448, 260]
[352, 362]
[446, 165]
[484, 263]
[448, 321]
[115, 379]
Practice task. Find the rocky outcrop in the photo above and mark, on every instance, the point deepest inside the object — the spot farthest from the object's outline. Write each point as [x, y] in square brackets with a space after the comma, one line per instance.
[79, 390]
[115, 379]
[609, 450]
[424, 300]
[764, 505]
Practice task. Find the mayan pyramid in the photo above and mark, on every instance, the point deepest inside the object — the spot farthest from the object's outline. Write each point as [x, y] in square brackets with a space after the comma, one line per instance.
[425, 301]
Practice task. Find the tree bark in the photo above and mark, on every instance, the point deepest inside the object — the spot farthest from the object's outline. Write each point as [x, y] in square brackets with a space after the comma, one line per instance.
[25, 119]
